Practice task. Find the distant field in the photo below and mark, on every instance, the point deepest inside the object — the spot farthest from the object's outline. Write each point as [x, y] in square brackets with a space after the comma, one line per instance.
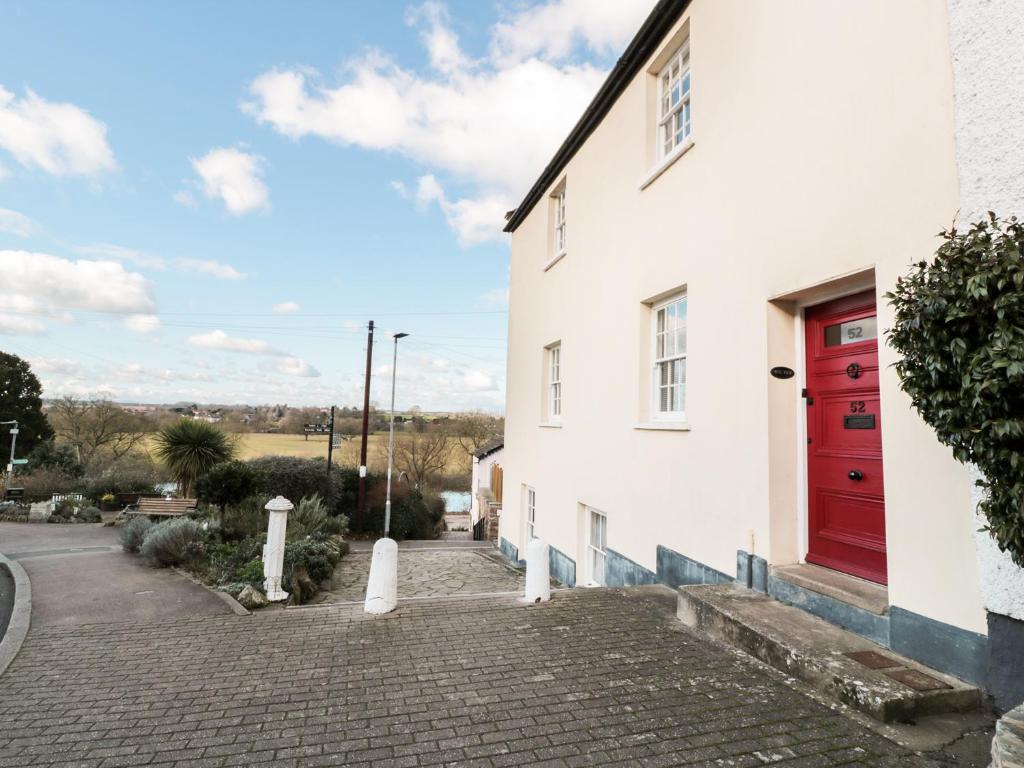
[251, 446]
[254, 445]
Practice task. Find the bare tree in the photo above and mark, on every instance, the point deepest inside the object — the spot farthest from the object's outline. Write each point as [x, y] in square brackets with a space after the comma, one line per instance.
[474, 429]
[422, 455]
[97, 428]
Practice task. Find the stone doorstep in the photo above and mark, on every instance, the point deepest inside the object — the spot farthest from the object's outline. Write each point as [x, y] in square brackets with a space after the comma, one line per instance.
[859, 593]
[813, 650]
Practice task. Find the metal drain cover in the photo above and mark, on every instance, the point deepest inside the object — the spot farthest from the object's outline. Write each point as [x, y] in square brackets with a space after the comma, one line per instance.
[919, 681]
[873, 659]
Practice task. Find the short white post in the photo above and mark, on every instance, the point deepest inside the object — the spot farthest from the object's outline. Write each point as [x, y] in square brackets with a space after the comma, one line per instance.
[382, 587]
[273, 550]
[538, 572]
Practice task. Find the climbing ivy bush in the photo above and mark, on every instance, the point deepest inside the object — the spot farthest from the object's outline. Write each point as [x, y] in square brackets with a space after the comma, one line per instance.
[960, 333]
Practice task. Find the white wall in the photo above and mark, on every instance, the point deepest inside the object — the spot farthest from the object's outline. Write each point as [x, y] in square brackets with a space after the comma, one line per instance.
[987, 41]
[823, 147]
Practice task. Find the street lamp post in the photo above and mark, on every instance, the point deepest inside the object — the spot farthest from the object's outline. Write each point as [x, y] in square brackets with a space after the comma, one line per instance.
[14, 439]
[391, 436]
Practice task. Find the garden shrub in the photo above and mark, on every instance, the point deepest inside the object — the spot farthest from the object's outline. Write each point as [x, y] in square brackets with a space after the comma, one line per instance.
[129, 474]
[245, 519]
[133, 533]
[229, 482]
[226, 559]
[414, 514]
[307, 563]
[960, 333]
[296, 478]
[89, 514]
[173, 542]
[42, 484]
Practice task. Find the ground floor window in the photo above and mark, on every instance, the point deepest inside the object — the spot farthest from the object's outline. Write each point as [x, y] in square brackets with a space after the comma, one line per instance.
[530, 512]
[597, 546]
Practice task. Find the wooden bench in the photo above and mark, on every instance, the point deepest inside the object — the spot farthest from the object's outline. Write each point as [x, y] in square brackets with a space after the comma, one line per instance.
[151, 507]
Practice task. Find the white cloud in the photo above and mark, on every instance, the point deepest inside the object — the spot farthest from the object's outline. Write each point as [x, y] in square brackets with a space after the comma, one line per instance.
[293, 366]
[60, 138]
[151, 261]
[286, 308]
[16, 223]
[488, 126]
[478, 381]
[475, 220]
[498, 297]
[552, 30]
[142, 323]
[48, 284]
[207, 267]
[185, 198]
[222, 341]
[14, 325]
[235, 177]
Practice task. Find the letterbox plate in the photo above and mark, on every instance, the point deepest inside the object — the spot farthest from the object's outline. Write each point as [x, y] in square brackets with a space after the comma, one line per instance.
[859, 421]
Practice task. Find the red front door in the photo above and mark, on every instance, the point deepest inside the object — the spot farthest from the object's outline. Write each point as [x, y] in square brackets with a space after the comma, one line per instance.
[845, 500]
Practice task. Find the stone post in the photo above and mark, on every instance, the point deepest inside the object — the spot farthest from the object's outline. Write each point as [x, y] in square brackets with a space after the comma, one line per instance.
[382, 586]
[273, 550]
[538, 572]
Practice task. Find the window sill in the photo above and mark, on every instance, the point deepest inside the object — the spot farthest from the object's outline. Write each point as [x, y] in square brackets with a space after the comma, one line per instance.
[550, 425]
[553, 261]
[667, 162]
[663, 426]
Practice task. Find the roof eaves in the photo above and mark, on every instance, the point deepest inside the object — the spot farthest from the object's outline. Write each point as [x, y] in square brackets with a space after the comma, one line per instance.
[640, 48]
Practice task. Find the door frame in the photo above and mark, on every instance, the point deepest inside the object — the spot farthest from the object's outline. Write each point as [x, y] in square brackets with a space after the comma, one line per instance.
[800, 356]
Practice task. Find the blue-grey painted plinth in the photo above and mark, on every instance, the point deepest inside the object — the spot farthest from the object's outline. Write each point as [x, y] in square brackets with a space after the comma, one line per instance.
[939, 645]
[511, 551]
[620, 571]
[1006, 661]
[758, 573]
[677, 570]
[563, 567]
[849, 617]
[743, 575]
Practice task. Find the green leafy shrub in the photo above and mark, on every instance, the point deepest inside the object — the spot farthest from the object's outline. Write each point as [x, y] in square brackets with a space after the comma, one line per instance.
[173, 542]
[229, 482]
[307, 564]
[414, 514]
[42, 484]
[89, 515]
[297, 478]
[251, 573]
[134, 532]
[49, 455]
[245, 519]
[133, 473]
[226, 558]
[960, 333]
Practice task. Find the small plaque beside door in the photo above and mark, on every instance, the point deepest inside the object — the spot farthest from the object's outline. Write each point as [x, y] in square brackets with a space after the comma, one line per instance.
[859, 421]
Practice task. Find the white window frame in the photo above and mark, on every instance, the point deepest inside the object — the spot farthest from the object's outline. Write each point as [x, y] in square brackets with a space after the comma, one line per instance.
[660, 360]
[554, 363]
[529, 514]
[675, 119]
[594, 553]
[559, 221]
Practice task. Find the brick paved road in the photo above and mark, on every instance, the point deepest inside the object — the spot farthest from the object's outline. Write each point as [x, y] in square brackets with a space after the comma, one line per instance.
[433, 572]
[596, 677]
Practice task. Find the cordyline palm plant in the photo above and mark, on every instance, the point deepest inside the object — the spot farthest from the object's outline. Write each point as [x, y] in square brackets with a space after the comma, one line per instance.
[191, 448]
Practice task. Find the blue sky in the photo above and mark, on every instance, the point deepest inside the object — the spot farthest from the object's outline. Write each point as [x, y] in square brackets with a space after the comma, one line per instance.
[207, 201]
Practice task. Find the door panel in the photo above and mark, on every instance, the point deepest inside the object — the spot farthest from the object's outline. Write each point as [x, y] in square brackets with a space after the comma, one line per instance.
[846, 494]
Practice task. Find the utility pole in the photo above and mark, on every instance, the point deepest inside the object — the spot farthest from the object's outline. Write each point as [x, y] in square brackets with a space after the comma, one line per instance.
[391, 436]
[361, 500]
[330, 459]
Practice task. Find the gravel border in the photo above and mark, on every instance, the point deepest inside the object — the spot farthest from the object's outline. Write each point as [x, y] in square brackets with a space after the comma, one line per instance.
[21, 614]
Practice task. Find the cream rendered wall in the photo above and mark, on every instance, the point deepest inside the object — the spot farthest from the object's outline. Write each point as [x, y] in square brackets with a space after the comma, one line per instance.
[823, 137]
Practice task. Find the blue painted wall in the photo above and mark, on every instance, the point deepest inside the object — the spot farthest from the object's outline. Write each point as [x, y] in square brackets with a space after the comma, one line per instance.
[620, 571]
[563, 567]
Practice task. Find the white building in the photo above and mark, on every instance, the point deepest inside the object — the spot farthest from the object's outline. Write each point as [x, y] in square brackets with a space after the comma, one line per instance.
[698, 384]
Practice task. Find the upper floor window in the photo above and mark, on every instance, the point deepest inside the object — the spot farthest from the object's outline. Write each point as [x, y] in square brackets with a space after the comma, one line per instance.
[674, 101]
[670, 358]
[555, 381]
[560, 221]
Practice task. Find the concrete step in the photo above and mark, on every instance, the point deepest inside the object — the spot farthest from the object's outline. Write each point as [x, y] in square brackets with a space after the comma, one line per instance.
[861, 674]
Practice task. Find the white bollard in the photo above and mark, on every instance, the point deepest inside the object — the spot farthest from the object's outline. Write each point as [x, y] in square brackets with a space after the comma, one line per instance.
[273, 550]
[382, 587]
[538, 572]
